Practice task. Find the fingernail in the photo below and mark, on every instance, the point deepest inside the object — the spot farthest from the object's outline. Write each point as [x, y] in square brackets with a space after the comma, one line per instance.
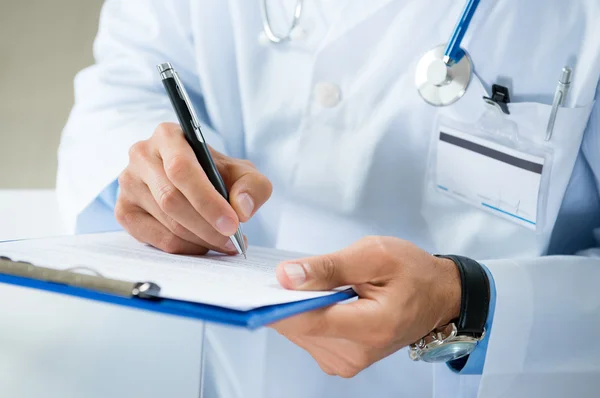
[230, 246]
[246, 204]
[295, 273]
[226, 226]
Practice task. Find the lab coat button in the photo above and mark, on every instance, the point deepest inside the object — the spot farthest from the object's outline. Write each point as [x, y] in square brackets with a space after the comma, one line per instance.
[328, 95]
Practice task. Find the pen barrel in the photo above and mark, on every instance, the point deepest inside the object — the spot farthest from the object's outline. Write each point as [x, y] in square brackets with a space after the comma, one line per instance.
[193, 136]
[208, 165]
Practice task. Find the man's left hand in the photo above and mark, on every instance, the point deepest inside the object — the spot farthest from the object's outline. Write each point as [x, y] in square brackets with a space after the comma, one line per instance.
[404, 294]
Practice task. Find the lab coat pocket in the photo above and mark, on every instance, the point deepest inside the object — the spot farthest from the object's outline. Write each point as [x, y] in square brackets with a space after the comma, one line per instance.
[564, 144]
[494, 185]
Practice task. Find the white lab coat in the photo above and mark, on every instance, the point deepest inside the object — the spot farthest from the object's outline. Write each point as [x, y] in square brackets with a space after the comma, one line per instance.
[334, 120]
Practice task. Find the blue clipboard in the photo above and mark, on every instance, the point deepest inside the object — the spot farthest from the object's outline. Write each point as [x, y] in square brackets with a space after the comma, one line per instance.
[252, 319]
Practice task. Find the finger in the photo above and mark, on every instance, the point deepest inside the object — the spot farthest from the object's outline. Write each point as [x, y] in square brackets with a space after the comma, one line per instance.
[147, 229]
[167, 204]
[248, 188]
[185, 173]
[135, 191]
[355, 321]
[182, 222]
[354, 265]
[319, 350]
[338, 356]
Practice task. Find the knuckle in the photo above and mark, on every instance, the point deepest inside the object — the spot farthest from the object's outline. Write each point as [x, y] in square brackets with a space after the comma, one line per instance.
[177, 229]
[170, 244]
[348, 371]
[355, 364]
[122, 214]
[382, 248]
[328, 269]
[248, 163]
[328, 370]
[227, 165]
[377, 242]
[168, 198]
[119, 213]
[203, 203]
[266, 183]
[125, 180]
[139, 150]
[177, 167]
[165, 130]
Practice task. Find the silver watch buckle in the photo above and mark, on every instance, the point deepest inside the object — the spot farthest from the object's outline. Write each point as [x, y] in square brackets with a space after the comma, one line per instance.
[438, 338]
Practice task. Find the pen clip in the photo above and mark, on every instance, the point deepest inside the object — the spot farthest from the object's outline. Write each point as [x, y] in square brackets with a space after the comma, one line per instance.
[168, 72]
[560, 98]
[186, 98]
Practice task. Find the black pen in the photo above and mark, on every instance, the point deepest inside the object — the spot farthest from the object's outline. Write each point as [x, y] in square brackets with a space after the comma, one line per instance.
[190, 125]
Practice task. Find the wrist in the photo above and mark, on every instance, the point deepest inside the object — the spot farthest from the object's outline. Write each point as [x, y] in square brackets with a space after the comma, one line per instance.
[462, 308]
[475, 295]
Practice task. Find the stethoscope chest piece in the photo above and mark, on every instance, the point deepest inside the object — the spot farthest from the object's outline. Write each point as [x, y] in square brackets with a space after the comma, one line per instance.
[441, 83]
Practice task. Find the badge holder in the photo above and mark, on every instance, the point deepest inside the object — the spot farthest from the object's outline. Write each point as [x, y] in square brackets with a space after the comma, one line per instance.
[494, 121]
[491, 164]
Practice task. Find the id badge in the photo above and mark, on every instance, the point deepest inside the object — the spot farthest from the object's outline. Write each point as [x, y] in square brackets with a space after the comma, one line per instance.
[490, 169]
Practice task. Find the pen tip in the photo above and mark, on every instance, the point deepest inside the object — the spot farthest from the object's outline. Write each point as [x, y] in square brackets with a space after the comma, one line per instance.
[245, 257]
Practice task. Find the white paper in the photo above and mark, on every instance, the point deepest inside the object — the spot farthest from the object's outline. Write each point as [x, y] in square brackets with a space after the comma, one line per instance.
[506, 190]
[220, 280]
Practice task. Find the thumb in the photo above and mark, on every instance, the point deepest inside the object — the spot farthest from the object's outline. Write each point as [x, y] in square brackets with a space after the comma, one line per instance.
[249, 192]
[248, 188]
[323, 272]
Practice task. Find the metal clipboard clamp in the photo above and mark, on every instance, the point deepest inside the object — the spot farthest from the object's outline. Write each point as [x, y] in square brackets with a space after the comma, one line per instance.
[69, 277]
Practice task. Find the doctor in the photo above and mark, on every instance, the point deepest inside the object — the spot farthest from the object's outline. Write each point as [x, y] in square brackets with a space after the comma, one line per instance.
[470, 234]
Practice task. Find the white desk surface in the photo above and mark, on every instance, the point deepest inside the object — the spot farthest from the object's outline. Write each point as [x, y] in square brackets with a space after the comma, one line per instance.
[55, 346]
[29, 214]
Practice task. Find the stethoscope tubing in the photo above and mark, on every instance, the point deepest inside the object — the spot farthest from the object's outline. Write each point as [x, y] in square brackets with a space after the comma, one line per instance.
[454, 52]
[274, 38]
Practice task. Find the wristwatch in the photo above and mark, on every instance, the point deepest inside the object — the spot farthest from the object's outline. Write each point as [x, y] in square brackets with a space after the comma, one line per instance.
[460, 337]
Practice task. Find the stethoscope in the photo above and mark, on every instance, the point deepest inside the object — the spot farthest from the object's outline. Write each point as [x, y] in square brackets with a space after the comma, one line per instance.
[443, 74]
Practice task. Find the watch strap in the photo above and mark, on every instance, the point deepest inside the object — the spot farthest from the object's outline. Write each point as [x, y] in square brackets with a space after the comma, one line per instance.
[475, 296]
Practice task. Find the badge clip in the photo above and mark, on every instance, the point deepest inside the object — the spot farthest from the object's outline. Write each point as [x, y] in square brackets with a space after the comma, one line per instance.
[500, 99]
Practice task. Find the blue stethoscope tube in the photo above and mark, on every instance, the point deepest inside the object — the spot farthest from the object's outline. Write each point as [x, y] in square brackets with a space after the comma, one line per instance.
[454, 53]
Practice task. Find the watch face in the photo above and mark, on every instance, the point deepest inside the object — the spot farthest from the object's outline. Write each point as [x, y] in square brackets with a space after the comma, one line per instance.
[448, 352]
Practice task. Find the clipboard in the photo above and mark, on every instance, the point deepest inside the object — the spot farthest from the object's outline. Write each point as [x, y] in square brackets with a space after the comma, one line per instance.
[146, 295]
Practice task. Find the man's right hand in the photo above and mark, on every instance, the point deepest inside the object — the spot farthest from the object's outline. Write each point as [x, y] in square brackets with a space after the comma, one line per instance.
[167, 201]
